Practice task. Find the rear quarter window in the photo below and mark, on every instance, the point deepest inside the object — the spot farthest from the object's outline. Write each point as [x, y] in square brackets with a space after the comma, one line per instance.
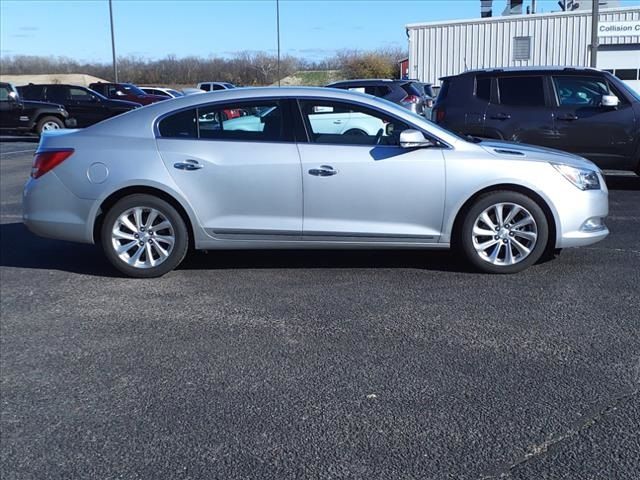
[182, 124]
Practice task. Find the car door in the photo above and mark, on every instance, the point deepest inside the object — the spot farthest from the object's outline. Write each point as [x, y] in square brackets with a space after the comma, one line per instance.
[243, 180]
[522, 112]
[366, 187]
[605, 135]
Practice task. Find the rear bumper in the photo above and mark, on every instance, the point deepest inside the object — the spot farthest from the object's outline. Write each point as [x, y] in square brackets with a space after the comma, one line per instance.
[51, 210]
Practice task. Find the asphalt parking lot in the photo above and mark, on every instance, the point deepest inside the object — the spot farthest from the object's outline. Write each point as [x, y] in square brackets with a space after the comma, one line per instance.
[318, 364]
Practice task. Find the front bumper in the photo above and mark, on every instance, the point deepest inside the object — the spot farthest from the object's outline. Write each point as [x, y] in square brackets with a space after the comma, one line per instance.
[51, 210]
[581, 217]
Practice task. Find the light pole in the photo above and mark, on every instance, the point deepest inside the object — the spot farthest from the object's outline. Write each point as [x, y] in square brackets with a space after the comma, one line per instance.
[278, 35]
[595, 14]
[113, 45]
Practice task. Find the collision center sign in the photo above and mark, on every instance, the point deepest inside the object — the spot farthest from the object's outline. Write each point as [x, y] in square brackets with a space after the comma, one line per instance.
[619, 29]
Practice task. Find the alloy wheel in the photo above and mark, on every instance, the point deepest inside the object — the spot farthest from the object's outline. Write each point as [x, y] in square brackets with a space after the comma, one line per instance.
[143, 237]
[504, 234]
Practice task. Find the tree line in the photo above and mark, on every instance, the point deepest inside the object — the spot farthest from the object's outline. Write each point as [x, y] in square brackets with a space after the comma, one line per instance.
[245, 68]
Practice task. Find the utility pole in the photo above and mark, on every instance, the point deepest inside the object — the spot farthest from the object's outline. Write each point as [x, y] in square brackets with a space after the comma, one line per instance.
[278, 35]
[595, 14]
[113, 45]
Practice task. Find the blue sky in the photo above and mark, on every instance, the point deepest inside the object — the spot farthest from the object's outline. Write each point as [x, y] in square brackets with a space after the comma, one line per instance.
[155, 28]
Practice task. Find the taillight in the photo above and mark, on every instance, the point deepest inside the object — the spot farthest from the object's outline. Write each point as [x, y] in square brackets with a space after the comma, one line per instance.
[45, 161]
[440, 114]
[411, 99]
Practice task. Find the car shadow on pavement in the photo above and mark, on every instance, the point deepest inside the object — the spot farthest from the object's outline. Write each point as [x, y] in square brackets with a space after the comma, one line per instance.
[21, 249]
[622, 182]
[22, 139]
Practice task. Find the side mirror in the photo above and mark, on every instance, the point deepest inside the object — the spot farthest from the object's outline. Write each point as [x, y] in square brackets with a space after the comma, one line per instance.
[13, 97]
[610, 101]
[414, 139]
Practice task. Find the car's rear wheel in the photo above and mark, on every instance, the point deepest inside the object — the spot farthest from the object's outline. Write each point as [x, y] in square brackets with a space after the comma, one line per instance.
[48, 123]
[504, 232]
[144, 236]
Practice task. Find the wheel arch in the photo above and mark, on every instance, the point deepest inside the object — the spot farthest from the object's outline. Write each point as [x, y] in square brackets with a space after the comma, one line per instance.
[536, 197]
[114, 197]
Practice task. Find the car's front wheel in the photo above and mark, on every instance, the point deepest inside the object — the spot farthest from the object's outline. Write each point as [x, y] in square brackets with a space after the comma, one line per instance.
[144, 236]
[504, 232]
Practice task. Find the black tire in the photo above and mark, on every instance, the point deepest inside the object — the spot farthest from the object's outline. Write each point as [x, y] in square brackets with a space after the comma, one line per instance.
[48, 120]
[482, 261]
[178, 231]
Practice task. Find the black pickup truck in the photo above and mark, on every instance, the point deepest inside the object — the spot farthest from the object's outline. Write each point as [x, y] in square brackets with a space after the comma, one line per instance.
[83, 104]
[24, 116]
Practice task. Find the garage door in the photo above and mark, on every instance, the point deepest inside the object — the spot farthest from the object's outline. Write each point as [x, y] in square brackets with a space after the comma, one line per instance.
[623, 61]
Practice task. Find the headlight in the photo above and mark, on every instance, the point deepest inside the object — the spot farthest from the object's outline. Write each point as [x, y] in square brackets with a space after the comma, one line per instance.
[583, 178]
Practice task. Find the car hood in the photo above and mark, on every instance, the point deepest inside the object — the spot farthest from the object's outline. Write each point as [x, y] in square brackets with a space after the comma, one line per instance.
[519, 151]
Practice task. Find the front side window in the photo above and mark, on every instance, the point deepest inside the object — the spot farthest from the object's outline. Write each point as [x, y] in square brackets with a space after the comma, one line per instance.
[580, 91]
[79, 94]
[206, 87]
[341, 123]
[521, 91]
[4, 93]
[246, 121]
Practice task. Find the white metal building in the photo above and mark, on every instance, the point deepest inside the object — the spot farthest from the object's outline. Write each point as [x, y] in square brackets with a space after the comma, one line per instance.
[438, 49]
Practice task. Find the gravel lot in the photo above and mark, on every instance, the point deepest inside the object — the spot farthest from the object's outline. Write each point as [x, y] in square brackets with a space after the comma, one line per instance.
[276, 365]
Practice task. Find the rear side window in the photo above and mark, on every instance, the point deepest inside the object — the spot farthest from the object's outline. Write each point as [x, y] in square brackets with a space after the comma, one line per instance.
[246, 122]
[483, 88]
[57, 93]
[180, 125]
[521, 91]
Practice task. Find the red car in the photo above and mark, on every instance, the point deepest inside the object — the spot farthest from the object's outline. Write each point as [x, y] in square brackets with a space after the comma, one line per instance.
[125, 91]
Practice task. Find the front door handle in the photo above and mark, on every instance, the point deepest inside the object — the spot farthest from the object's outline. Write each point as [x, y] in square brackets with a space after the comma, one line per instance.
[501, 116]
[569, 117]
[323, 171]
[337, 122]
[188, 165]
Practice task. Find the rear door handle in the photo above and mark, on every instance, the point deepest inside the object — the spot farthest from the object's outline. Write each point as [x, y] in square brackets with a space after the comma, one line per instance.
[501, 116]
[323, 171]
[188, 164]
[569, 117]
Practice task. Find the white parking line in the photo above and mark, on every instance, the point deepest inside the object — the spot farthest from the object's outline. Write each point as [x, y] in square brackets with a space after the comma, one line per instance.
[18, 151]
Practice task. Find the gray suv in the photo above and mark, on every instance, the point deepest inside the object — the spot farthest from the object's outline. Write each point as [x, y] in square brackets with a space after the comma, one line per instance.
[407, 93]
[583, 111]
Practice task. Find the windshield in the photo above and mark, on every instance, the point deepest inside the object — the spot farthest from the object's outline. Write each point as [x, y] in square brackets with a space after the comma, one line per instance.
[132, 89]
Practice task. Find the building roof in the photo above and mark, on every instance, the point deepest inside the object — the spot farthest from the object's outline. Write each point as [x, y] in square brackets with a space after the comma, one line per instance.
[507, 18]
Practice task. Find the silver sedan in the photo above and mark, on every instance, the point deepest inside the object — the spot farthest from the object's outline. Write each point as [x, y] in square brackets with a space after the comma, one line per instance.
[304, 168]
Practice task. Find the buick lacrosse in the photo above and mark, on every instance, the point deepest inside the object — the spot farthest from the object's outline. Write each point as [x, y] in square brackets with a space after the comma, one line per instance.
[304, 168]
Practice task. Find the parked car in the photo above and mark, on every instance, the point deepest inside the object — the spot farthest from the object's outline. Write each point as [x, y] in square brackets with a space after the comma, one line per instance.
[24, 116]
[84, 105]
[125, 91]
[191, 91]
[162, 92]
[213, 86]
[579, 110]
[149, 184]
[403, 92]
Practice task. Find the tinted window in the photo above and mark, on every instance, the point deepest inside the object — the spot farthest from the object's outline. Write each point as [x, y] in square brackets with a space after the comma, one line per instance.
[521, 91]
[627, 74]
[255, 121]
[57, 93]
[79, 94]
[217, 87]
[180, 125]
[444, 89]
[4, 93]
[206, 87]
[341, 123]
[32, 92]
[483, 88]
[580, 91]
